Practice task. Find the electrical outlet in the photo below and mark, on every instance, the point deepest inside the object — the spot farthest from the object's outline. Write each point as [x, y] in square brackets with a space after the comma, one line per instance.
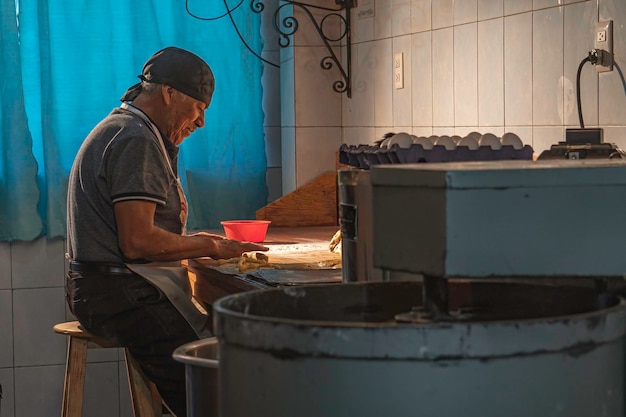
[398, 70]
[604, 44]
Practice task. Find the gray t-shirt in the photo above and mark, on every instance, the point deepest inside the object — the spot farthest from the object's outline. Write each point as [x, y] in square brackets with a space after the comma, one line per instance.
[121, 159]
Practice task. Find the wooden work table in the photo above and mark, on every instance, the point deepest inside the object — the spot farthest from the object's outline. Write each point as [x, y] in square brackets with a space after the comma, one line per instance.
[211, 282]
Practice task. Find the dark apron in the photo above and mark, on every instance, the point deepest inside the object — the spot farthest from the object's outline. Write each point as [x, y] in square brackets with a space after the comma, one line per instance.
[174, 283]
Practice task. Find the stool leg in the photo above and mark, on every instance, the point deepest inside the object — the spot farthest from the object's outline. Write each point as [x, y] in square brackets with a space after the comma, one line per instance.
[75, 366]
[143, 393]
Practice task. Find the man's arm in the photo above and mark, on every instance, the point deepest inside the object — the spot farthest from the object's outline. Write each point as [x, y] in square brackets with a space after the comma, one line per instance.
[139, 238]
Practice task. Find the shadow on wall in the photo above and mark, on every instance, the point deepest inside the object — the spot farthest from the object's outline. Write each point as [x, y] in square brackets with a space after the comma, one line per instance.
[621, 75]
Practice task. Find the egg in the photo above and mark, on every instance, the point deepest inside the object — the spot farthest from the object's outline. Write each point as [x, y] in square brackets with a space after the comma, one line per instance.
[468, 142]
[401, 139]
[491, 140]
[447, 142]
[513, 140]
[425, 142]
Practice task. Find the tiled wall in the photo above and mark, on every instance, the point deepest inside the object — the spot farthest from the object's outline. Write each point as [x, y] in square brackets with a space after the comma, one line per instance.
[32, 356]
[484, 65]
[272, 108]
[311, 110]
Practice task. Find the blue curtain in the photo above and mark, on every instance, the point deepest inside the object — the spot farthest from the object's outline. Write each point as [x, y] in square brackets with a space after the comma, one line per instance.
[77, 58]
[18, 170]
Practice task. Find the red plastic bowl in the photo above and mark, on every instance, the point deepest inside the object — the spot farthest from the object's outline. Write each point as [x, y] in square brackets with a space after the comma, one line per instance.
[246, 230]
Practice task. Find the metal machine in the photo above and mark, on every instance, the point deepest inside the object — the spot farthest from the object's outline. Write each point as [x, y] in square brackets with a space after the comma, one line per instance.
[545, 220]
[516, 315]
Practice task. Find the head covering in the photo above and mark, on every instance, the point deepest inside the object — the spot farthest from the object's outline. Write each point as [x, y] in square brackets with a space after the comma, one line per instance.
[180, 69]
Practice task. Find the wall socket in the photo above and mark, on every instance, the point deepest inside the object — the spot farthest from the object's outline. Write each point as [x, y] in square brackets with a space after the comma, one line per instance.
[604, 41]
[398, 70]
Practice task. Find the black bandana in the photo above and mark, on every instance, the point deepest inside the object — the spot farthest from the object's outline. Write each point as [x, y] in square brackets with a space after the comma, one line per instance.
[179, 69]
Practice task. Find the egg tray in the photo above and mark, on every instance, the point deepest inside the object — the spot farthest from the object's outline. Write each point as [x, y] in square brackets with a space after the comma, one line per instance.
[364, 156]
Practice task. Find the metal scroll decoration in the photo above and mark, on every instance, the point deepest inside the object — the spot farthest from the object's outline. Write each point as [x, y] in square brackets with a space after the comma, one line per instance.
[288, 25]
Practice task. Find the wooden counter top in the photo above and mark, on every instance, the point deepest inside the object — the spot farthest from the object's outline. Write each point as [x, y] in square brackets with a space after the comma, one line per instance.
[307, 244]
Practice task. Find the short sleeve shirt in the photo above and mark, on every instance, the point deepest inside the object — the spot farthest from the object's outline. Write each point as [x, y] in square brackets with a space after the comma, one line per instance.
[121, 159]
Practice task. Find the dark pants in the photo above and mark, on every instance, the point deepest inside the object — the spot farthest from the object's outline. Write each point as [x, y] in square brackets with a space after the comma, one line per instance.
[130, 311]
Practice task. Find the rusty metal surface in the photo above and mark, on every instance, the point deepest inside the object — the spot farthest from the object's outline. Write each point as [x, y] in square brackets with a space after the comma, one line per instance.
[357, 321]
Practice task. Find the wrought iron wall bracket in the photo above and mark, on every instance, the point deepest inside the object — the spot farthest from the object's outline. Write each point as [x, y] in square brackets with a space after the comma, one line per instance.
[287, 26]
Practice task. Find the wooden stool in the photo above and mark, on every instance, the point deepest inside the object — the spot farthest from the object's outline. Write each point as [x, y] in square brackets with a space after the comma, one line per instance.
[143, 393]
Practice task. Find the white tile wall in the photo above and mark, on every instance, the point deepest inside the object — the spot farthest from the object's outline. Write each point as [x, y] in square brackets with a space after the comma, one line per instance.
[5, 265]
[518, 73]
[271, 109]
[443, 77]
[316, 151]
[547, 66]
[287, 87]
[542, 4]
[420, 15]
[274, 179]
[545, 136]
[616, 135]
[362, 27]
[359, 111]
[7, 404]
[422, 79]
[306, 33]
[382, 19]
[102, 387]
[612, 90]
[442, 13]
[383, 82]
[38, 391]
[517, 6]
[466, 74]
[401, 23]
[489, 9]
[491, 72]
[359, 135]
[288, 159]
[310, 79]
[491, 66]
[39, 263]
[465, 11]
[403, 98]
[578, 25]
[38, 311]
[271, 89]
[6, 329]
[272, 146]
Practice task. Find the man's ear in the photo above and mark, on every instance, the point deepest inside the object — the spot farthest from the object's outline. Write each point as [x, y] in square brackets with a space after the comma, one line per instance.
[167, 92]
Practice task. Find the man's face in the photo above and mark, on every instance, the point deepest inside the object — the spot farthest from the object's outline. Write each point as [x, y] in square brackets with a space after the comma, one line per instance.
[186, 115]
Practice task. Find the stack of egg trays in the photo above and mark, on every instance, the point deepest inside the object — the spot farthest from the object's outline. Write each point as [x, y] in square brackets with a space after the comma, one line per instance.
[364, 156]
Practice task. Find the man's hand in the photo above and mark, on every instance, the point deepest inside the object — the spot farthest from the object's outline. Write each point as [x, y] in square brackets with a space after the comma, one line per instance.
[227, 248]
[211, 235]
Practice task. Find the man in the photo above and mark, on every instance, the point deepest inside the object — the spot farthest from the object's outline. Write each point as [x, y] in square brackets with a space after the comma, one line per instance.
[126, 222]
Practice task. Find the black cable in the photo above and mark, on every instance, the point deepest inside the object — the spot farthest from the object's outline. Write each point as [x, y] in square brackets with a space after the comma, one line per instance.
[229, 12]
[210, 18]
[580, 111]
[594, 56]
